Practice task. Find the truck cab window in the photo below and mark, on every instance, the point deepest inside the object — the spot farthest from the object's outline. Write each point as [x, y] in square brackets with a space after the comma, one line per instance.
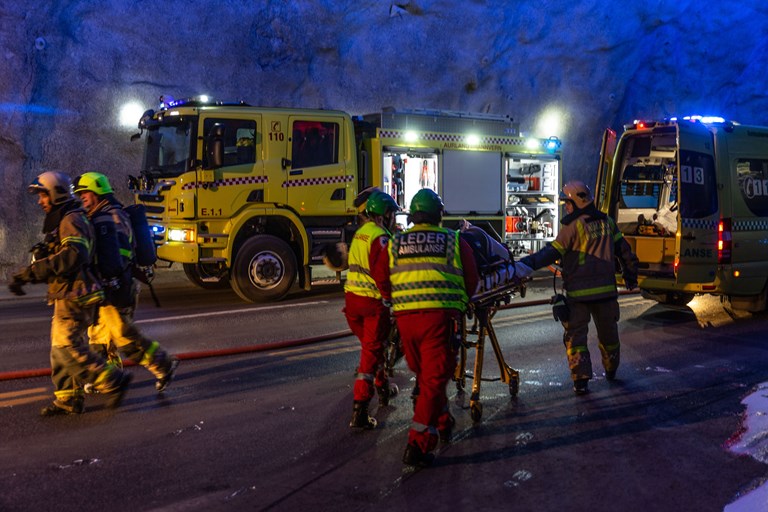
[239, 140]
[314, 144]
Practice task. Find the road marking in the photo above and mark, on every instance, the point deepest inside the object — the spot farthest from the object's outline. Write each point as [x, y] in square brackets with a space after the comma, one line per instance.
[228, 312]
[12, 398]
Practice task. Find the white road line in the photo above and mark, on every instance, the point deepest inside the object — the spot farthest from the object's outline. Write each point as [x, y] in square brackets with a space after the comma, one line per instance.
[228, 312]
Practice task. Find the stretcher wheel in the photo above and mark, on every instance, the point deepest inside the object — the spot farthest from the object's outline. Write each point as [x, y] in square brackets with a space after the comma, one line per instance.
[514, 387]
[476, 411]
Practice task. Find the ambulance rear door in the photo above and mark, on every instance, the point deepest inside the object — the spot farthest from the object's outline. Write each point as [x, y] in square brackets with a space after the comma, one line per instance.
[699, 213]
[602, 186]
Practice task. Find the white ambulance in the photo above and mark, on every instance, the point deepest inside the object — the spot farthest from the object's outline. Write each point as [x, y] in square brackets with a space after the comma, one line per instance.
[691, 197]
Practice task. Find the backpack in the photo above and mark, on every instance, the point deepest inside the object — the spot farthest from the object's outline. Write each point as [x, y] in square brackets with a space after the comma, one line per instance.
[107, 259]
[143, 239]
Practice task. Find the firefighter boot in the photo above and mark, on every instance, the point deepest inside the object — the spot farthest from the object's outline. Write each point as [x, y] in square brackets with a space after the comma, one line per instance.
[360, 417]
[162, 382]
[59, 407]
[386, 392]
[581, 386]
[115, 396]
[413, 456]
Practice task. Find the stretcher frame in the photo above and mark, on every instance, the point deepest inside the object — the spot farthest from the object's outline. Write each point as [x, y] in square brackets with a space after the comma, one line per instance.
[482, 309]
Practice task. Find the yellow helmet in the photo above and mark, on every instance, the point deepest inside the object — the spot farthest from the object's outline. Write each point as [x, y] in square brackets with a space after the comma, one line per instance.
[93, 181]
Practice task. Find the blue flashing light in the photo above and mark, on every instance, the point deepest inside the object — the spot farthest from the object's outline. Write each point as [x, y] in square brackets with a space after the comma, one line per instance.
[552, 144]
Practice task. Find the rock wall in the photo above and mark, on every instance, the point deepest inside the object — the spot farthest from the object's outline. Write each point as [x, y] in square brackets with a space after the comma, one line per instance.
[70, 66]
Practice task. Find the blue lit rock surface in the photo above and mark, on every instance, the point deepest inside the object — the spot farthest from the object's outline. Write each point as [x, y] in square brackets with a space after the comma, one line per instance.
[68, 68]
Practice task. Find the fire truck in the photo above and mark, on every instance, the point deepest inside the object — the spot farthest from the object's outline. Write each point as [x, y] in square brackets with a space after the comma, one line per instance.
[691, 197]
[253, 197]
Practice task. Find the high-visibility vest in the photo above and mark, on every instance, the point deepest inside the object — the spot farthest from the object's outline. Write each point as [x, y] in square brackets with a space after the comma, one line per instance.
[359, 280]
[425, 269]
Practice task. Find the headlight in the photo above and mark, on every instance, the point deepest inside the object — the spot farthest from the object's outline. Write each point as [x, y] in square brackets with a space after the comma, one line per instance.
[181, 234]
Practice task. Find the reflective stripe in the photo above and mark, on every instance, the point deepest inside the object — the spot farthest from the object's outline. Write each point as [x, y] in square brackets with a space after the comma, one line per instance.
[558, 247]
[582, 242]
[420, 427]
[599, 290]
[365, 376]
[90, 299]
[77, 240]
[577, 350]
[149, 355]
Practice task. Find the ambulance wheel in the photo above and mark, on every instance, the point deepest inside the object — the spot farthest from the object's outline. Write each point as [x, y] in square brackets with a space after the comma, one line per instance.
[476, 411]
[678, 299]
[264, 269]
[206, 278]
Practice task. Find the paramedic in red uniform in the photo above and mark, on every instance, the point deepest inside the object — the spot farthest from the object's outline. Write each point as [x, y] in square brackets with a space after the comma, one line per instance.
[587, 246]
[367, 302]
[433, 275]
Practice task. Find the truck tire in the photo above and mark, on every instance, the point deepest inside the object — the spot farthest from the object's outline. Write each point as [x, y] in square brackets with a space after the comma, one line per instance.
[264, 269]
[199, 276]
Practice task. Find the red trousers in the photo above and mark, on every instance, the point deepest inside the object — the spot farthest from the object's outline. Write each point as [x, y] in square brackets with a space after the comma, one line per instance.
[370, 321]
[427, 337]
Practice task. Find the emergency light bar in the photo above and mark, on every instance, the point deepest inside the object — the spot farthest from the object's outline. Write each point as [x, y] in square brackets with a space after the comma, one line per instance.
[202, 100]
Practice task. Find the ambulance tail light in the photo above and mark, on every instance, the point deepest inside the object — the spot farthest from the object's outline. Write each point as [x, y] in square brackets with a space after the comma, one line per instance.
[724, 242]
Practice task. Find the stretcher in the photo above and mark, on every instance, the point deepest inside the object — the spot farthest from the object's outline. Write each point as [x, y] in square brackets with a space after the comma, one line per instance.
[498, 285]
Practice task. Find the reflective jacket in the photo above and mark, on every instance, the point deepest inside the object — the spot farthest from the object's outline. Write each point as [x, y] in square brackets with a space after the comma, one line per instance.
[360, 280]
[587, 245]
[426, 269]
[67, 268]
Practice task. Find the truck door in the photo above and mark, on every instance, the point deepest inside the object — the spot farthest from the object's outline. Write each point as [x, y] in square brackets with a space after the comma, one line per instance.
[602, 185]
[315, 174]
[697, 233]
[222, 191]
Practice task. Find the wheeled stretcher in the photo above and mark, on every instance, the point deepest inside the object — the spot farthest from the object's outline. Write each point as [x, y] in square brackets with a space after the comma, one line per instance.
[498, 285]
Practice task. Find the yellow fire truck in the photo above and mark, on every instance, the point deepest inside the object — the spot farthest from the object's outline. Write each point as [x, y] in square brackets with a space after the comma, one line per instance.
[691, 197]
[253, 197]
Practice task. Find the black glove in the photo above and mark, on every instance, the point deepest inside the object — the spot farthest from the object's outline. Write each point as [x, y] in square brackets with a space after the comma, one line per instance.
[16, 287]
[25, 275]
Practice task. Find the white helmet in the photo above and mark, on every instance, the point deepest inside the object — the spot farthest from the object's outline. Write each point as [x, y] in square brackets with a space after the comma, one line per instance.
[577, 192]
[57, 185]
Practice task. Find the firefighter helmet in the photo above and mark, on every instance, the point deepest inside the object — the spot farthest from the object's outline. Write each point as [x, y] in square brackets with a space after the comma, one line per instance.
[577, 192]
[362, 198]
[427, 201]
[93, 181]
[380, 203]
[57, 185]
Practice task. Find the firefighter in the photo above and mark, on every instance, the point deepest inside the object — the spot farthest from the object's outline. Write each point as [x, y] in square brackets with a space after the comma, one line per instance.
[587, 245]
[115, 327]
[433, 275]
[367, 301]
[75, 293]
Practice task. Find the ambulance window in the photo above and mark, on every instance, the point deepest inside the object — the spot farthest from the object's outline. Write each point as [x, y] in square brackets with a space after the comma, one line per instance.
[641, 186]
[698, 185]
[314, 143]
[239, 140]
[752, 175]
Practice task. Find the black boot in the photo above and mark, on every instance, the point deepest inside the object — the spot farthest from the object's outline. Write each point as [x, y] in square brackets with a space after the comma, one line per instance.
[386, 393]
[413, 456]
[360, 417]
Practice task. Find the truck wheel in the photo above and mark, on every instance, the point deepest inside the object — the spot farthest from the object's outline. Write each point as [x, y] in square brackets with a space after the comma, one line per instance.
[199, 275]
[264, 269]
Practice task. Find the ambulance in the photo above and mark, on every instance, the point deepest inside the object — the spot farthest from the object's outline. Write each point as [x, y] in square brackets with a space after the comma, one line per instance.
[255, 197]
[690, 195]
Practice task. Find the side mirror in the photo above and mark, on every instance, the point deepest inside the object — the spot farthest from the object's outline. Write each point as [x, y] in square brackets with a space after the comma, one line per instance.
[214, 142]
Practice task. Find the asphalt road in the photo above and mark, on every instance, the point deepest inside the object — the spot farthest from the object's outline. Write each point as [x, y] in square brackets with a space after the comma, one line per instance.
[268, 430]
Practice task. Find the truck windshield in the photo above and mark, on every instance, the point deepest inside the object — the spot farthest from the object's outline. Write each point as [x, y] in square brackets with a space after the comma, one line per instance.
[169, 150]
